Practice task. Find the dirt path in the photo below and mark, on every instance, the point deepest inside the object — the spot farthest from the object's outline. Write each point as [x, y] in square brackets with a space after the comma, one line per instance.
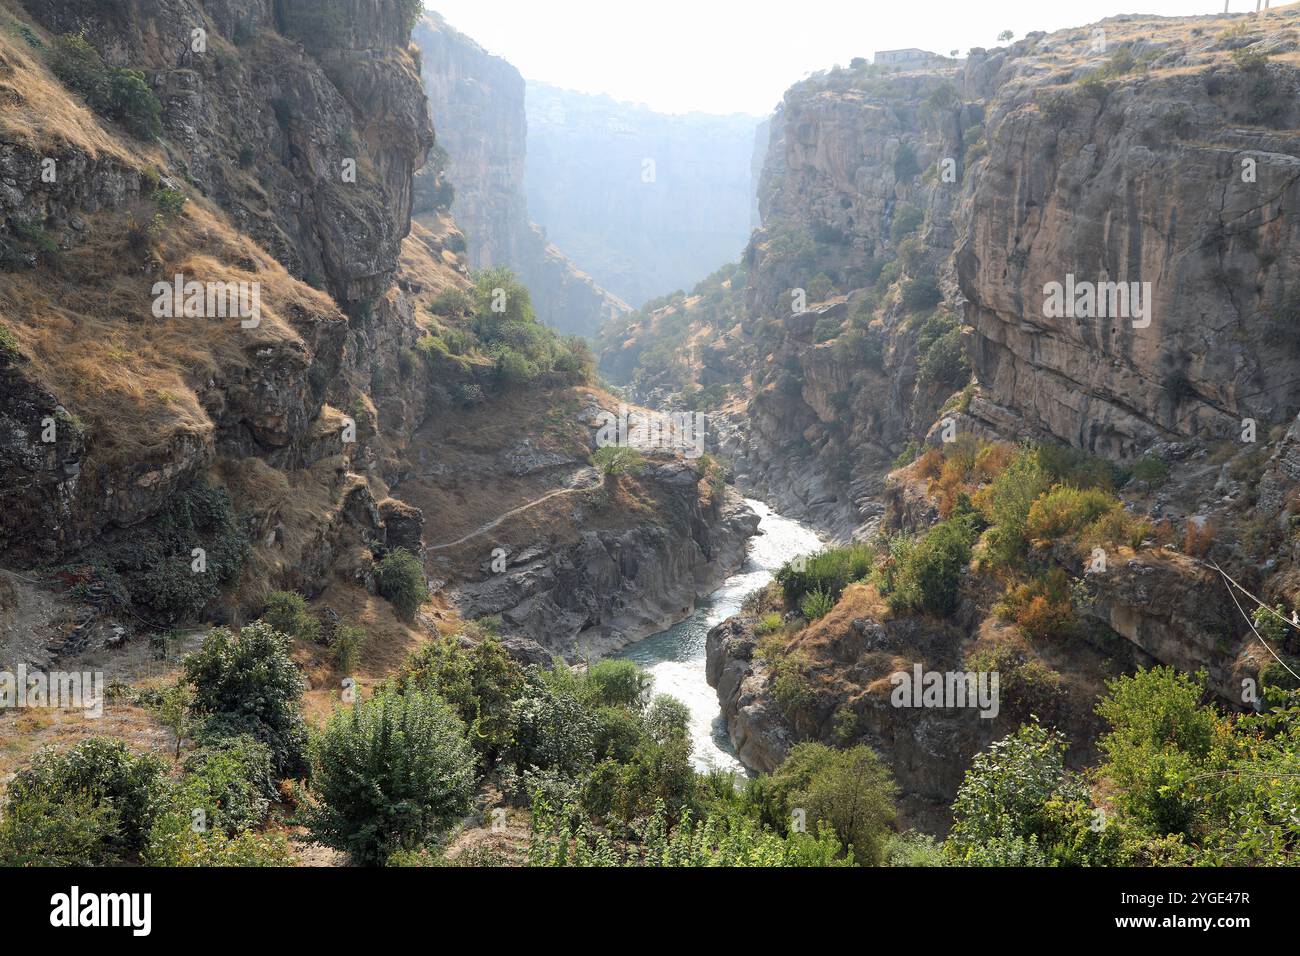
[584, 480]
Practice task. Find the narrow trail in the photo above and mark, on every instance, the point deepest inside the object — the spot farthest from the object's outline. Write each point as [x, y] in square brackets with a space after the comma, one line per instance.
[589, 477]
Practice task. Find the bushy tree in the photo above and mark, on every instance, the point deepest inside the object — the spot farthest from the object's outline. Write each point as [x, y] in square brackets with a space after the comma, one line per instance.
[479, 680]
[1006, 792]
[1006, 504]
[829, 571]
[392, 773]
[614, 460]
[1164, 750]
[287, 612]
[248, 683]
[71, 829]
[928, 576]
[618, 683]
[849, 791]
[551, 730]
[99, 798]
[400, 578]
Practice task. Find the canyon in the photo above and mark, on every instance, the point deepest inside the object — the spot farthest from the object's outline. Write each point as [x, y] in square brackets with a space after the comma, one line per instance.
[883, 248]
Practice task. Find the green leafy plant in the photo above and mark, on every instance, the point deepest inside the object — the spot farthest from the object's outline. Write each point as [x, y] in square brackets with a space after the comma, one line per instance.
[400, 578]
[389, 774]
[246, 683]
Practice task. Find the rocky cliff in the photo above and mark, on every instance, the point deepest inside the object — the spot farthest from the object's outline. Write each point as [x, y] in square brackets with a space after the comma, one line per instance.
[171, 399]
[1167, 159]
[645, 201]
[477, 103]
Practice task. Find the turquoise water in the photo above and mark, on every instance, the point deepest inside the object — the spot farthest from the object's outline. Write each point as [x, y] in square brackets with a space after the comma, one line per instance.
[676, 656]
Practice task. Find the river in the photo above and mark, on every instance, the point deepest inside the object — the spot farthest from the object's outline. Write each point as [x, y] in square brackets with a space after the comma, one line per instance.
[676, 656]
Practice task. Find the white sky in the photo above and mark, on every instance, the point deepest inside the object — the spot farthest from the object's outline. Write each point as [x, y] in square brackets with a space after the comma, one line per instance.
[726, 56]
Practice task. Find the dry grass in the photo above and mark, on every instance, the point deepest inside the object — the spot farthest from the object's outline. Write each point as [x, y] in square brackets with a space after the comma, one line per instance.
[87, 325]
[37, 110]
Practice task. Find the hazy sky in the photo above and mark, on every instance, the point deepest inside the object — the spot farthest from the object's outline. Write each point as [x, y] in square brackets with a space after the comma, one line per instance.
[725, 56]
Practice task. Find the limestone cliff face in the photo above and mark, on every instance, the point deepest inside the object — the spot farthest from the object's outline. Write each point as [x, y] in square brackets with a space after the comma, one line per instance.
[1181, 173]
[294, 110]
[477, 102]
[837, 391]
[647, 203]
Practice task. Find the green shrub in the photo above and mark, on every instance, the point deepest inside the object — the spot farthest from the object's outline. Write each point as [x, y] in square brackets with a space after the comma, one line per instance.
[1161, 745]
[829, 571]
[1151, 471]
[287, 613]
[792, 687]
[1250, 61]
[514, 370]
[118, 93]
[480, 682]
[906, 165]
[349, 641]
[102, 799]
[816, 604]
[1043, 608]
[912, 849]
[560, 840]
[944, 362]
[1006, 791]
[1065, 512]
[928, 578]
[552, 731]
[175, 841]
[390, 774]
[400, 578]
[248, 684]
[613, 460]
[907, 219]
[452, 302]
[1070, 466]
[850, 791]
[232, 781]
[617, 683]
[1006, 503]
[71, 829]
[770, 624]
[921, 295]
[170, 202]
[8, 343]
[155, 563]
